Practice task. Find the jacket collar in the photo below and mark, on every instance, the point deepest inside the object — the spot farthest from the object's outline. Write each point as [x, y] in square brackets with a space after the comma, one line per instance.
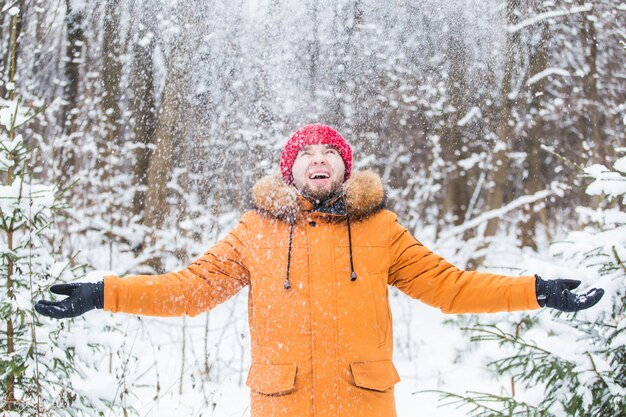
[363, 194]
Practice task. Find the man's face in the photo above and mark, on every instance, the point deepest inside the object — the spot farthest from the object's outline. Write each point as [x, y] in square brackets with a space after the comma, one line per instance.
[318, 171]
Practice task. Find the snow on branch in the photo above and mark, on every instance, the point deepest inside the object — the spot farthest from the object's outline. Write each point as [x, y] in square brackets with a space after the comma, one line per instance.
[546, 73]
[499, 212]
[606, 181]
[474, 112]
[548, 15]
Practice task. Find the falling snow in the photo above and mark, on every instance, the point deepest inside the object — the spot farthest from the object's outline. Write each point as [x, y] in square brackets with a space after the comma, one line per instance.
[210, 93]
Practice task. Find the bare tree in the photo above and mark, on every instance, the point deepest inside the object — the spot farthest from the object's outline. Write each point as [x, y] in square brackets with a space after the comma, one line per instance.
[347, 20]
[66, 154]
[453, 143]
[111, 76]
[591, 120]
[534, 179]
[144, 109]
[313, 46]
[504, 126]
[169, 132]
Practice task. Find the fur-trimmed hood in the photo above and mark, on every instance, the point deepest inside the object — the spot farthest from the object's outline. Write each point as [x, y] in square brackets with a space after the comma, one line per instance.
[363, 195]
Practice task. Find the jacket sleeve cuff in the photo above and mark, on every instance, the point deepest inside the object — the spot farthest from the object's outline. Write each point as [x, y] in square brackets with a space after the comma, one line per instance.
[111, 293]
[530, 294]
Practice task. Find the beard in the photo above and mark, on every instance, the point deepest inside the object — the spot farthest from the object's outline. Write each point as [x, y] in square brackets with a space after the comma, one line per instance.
[320, 195]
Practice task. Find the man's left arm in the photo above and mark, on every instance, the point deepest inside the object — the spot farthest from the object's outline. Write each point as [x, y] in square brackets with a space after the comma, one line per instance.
[426, 276]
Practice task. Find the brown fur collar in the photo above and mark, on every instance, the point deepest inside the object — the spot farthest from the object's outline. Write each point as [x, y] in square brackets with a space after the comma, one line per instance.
[363, 192]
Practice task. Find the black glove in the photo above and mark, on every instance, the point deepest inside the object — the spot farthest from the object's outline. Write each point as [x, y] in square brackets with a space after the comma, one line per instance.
[82, 297]
[556, 294]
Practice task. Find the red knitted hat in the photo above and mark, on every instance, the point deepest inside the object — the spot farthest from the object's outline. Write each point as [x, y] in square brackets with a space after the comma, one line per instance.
[315, 134]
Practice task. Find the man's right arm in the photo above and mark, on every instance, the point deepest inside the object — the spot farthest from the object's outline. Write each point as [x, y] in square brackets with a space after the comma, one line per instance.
[210, 280]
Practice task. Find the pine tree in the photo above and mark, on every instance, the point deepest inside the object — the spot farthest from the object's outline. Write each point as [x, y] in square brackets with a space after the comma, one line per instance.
[579, 360]
[38, 357]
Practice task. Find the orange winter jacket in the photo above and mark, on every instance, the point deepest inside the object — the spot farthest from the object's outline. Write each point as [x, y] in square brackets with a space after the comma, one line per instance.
[323, 346]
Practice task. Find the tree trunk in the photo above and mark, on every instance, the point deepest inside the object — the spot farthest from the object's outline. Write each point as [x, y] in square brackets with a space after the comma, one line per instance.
[73, 60]
[111, 74]
[356, 98]
[504, 132]
[497, 176]
[9, 395]
[346, 102]
[533, 183]
[169, 127]
[144, 113]
[456, 194]
[314, 50]
[13, 44]
[592, 121]
[73, 57]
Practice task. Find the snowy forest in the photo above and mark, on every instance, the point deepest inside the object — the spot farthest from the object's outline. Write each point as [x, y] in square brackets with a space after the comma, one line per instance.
[132, 132]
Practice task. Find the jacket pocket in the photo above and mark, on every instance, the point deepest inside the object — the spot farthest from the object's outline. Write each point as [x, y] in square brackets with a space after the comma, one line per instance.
[377, 375]
[272, 379]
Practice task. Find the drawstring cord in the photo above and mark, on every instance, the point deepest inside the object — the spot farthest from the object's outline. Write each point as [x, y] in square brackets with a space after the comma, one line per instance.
[353, 277]
[352, 273]
[287, 283]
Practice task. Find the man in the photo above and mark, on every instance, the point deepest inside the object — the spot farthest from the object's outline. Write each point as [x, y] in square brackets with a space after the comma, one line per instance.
[318, 252]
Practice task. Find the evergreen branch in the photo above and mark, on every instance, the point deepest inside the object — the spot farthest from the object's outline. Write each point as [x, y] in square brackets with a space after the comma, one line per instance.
[11, 227]
[8, 6]
[28, 117]
[500, 336]
[4, 226]
[6, 149]
[619, 260]
[479, 402]
[456, 399]
[546, 367]
[595, 369]
[62, 191]
[35, 114]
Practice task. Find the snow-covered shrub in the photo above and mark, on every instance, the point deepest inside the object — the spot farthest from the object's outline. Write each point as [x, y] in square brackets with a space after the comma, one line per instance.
[568, 364]
[36, 360]
[39, 358]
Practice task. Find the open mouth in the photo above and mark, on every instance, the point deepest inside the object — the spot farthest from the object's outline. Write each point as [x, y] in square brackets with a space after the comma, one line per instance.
[319, 176]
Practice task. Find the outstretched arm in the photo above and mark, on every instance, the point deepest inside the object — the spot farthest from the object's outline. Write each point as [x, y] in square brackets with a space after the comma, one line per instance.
[210, 280]
[424, 275]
